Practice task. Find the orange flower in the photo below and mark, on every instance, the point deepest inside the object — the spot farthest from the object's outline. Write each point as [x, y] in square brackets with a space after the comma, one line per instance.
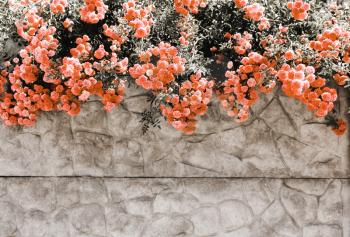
[195, 95]
[184, 7]
[340, 127]
[254, 12]
[158, 77]
[67, 23]
[299, 9]
[58, 6]
[289, 55]
[100, 52]
[340, 79]
[116, 38]
[239, 92]
[240, 3]
[330, 43]
[300, 83]
[93, 11]
[243, 43]
[138, 18]
[74, 109]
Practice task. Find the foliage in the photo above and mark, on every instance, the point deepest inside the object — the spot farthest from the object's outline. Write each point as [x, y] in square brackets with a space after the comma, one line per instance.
[183, 52]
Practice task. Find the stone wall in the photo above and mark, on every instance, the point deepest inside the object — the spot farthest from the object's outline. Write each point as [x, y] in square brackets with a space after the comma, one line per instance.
[95, 207]
[280, 174]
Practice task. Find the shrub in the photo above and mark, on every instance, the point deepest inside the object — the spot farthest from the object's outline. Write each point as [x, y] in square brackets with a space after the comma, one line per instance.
[184, 52]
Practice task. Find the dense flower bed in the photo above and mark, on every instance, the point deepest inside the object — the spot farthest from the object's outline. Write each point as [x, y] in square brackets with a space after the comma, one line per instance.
[184, 52]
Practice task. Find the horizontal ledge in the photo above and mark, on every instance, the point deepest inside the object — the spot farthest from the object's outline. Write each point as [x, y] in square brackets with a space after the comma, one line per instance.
[170, 177]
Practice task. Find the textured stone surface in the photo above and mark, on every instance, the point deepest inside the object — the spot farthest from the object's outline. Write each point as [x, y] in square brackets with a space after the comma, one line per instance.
[281, 140]
[173, 207]
[278, 175]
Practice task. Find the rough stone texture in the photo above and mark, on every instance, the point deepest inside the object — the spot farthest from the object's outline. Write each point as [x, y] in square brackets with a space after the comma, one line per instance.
[281, 140]
[278, 175]
[117, 207]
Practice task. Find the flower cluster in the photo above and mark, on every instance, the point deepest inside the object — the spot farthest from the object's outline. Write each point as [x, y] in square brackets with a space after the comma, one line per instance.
[138, 18]
[158, 76]
[299, 9]
[58, 6]
[69, 82]
[31, 23]
[22, 105]
[333, 43]
[185, 7]
[242, 42]
[240, 90]
[79, 72]
[302, 84]
[93, 11]
[182, 110]
[253, 12]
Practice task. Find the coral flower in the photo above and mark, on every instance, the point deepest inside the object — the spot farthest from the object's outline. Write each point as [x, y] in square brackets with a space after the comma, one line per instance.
[240, 3]
[67, 23]
[299, 9]
[141, 32]
[289, 55]
[340, 127]
[100, 52]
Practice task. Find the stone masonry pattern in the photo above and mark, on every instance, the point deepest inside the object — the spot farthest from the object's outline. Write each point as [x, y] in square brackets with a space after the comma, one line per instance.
[96, 207]
[282, 140]
[281, 174]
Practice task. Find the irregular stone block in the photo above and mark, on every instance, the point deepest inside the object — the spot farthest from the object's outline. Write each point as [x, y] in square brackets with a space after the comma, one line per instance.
[205, 221]
[234, 214]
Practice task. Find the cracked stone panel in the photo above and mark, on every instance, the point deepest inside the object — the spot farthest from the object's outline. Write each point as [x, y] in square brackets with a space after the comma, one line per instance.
[112, 207]
[281, 140]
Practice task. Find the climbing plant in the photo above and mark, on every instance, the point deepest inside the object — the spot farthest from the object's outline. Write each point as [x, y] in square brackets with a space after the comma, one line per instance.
[184, 53]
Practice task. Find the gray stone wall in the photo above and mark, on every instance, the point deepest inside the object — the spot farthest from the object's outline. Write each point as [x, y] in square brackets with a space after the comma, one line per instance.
[281, 174]
[95, 207]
